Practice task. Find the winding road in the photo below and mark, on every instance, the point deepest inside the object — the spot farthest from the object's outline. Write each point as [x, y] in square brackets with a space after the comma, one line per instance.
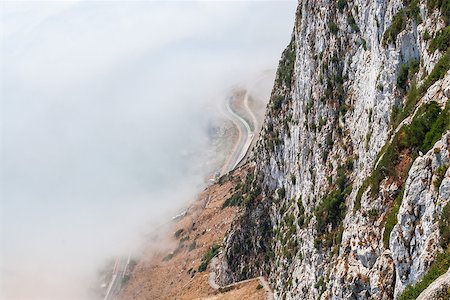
[118, 274]
[245, 134]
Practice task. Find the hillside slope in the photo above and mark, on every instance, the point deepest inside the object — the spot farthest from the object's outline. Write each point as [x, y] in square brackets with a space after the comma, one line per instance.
[350, 193]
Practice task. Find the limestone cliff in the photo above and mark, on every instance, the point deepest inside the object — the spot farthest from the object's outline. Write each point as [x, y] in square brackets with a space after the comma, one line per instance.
[349, 195]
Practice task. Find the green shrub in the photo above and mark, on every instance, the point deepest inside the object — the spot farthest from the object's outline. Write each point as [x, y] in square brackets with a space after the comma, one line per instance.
[192, 246]
[444, 227]
[426, 35]
[413, 11]
[178, 232]
[407, 72]
[341, 4]
[351, 21]
[277, 102]
[301, 215]
[398, 115]
[441, 41]
[391, 218]
[373, 213]
[333, 27]
[441, 125]
[234, 200]
[293, 179]
[421, 125]
[281, 192]
[331, 211]
[364, 44]
[440, 173]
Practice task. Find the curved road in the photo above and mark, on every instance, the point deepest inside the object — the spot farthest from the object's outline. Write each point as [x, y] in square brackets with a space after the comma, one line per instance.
[245, 135]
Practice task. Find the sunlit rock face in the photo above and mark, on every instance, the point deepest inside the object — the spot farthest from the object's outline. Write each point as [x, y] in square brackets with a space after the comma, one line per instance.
[332, 164]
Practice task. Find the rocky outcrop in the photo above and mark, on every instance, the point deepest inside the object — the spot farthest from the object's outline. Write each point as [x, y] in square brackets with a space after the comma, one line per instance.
[414, 240]
[438, 290]
[339, 159]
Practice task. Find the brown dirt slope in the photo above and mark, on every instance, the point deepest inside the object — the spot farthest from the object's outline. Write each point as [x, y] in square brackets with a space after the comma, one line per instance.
[173, 273]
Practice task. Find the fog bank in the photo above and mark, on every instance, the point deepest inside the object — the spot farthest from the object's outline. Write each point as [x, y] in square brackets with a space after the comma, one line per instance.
[105, 113]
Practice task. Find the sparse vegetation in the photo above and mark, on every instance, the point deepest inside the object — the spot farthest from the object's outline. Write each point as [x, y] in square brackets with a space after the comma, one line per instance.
[441, 41]
[425, 128]
[400, 20]
[331, 211]
[398, 25]
[438, 72]
[443, 6]
[226, 289]
[286, 65]
[437, 268]
[210, 254]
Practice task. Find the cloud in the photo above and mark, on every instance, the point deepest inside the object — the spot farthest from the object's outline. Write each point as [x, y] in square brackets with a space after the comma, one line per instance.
[105, 108]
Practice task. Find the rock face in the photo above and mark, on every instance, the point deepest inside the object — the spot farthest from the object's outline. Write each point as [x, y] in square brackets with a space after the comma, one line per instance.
[345, 154]
[414, 239]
